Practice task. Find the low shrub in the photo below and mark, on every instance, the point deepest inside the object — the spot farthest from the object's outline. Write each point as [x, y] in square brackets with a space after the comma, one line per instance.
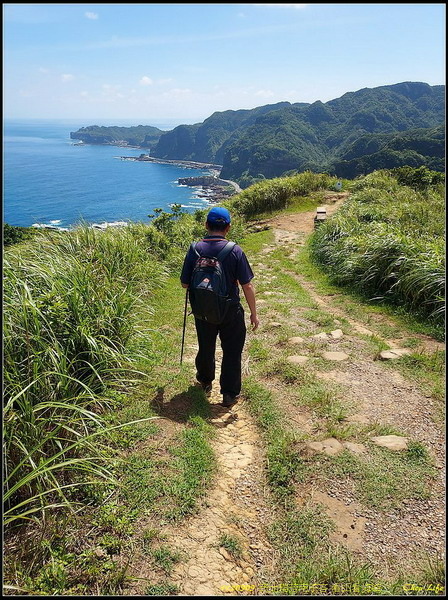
[387, 242]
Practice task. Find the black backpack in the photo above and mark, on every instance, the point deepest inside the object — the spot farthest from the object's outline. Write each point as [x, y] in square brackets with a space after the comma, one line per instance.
[208, 291]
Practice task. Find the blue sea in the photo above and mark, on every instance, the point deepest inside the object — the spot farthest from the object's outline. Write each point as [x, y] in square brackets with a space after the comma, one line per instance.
[50, 180]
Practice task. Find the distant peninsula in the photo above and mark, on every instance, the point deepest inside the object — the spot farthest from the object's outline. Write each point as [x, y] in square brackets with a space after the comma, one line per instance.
[140, 136]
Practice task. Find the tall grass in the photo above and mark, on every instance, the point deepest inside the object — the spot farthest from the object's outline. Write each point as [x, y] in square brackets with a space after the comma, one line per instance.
[387, 242]
[275, 194]
[69, 307]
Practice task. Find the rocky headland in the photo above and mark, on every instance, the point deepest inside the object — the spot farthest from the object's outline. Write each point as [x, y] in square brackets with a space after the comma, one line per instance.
[212, 187]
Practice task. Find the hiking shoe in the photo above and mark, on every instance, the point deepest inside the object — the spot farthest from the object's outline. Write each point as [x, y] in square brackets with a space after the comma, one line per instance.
[207, 387]
[229, 400]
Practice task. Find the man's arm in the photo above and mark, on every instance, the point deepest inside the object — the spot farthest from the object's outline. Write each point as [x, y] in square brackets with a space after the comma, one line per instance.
[186, 271]
[249, 293]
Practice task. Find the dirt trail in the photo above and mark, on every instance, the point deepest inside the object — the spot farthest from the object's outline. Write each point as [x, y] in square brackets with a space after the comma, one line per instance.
[291, 230]
[378, 395]
[223, 546]
[237, 508]
[234, 512]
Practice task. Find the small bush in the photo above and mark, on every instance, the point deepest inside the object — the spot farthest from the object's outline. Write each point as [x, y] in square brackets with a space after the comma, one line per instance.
[14, 235]
[274, 194]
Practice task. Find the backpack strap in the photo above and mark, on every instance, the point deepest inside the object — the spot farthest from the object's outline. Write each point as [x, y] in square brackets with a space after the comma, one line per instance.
[226, 250]
[193, 247]
[222, 254]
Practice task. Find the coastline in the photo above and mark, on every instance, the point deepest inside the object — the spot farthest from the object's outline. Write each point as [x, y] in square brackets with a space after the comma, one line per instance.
[43, 207]
[215, 189]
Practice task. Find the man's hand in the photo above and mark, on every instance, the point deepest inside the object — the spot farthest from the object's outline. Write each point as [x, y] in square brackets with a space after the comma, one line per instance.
[249, 293]
[254, 322]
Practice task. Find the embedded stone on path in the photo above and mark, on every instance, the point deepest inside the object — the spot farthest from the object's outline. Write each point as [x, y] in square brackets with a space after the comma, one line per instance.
[337, 334]
[349, 526]
[355, 448]
[395, 353]
[335, 355]
[274, 324]
[320, 336]
[362, 330]
[391, 442]
[295, 340]
[297, 359]
[330, 446]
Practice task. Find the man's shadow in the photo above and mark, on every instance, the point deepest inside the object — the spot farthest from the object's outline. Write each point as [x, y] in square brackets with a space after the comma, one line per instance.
[193, 402]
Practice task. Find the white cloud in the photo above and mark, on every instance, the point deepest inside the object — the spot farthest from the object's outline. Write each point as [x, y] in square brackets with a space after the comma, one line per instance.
[146, 80]
[118, 42]
[67, 77]
[91, 15]
[44, 70]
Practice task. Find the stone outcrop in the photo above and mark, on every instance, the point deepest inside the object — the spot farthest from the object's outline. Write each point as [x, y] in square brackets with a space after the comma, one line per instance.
[201, 180]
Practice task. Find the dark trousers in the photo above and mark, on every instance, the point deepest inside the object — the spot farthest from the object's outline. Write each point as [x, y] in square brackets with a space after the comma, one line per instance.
[232, 333]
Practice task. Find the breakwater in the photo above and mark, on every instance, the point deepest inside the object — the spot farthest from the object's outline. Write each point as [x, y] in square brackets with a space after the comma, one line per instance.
[214, 189]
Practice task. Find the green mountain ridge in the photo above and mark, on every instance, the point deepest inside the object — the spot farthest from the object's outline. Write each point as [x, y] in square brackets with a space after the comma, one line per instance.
[373, 128]
[271, 140]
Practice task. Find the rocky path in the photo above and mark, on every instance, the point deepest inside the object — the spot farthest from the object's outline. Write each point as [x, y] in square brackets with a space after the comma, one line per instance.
[378, 394]
[225, 541]
[224, 546]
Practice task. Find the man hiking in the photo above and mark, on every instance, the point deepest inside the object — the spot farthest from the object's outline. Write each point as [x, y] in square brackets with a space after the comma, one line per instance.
[206, 262]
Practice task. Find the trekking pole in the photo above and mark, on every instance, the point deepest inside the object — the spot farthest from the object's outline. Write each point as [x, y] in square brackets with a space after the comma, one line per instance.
[185, 322]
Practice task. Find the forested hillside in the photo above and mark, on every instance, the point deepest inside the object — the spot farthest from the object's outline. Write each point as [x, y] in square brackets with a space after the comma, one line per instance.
[210, 138]
[271, 140]
[413, 148]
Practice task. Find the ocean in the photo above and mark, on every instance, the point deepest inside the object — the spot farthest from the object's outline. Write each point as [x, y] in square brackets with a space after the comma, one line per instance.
[48, 180]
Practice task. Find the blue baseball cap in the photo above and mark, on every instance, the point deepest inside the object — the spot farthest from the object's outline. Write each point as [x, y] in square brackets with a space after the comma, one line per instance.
[218, 214]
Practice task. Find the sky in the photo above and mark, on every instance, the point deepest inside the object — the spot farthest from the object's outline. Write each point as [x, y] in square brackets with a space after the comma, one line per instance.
[145, 63]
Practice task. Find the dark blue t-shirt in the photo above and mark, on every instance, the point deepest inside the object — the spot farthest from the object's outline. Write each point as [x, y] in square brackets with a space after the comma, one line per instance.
[235, 266]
